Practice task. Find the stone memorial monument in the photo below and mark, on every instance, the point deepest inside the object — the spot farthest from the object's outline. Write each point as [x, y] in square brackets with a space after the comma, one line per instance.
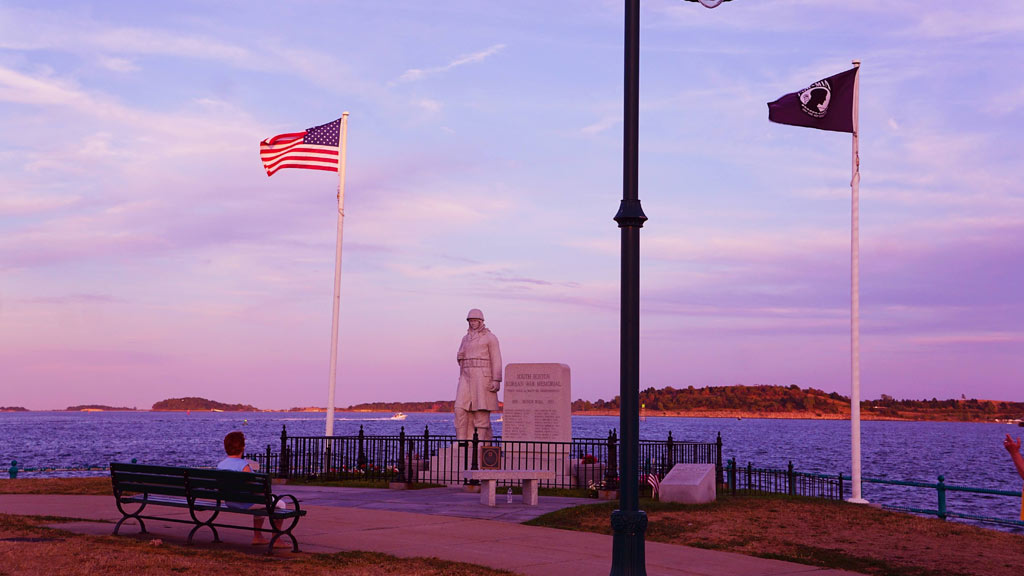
[538, 408]
[689, 484]
[538, 403]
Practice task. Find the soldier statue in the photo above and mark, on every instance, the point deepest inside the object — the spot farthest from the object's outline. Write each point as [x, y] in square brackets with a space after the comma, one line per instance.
[480, 368]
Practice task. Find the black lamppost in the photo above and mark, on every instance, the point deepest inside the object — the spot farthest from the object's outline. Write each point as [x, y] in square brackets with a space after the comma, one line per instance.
[629, 523]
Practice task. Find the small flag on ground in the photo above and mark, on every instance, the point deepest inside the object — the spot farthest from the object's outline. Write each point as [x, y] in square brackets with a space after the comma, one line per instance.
[312, 149]
[655, 483]
[826, 105]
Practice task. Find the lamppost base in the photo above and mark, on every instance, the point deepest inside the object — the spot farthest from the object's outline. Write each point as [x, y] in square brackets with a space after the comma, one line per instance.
[628, 529]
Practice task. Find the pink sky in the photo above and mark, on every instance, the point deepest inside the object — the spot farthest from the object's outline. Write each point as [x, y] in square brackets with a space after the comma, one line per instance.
[145, 255]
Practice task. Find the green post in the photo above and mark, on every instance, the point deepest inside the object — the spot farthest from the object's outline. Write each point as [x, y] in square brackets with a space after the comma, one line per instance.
[13, 470]
[791, 479]
[732, 475]
[941, 487]
[718, 457]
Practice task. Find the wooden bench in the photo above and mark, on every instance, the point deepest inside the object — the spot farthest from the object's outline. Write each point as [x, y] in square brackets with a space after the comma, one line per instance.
[203, 492]
[489, 482]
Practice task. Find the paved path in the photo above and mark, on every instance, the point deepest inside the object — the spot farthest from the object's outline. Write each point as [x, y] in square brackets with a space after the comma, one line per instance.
[457, 528]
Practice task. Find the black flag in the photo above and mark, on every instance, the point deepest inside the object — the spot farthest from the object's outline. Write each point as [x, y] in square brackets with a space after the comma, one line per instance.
[826, 105]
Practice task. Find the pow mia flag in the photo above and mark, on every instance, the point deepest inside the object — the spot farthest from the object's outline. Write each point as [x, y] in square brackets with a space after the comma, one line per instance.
[826, 105]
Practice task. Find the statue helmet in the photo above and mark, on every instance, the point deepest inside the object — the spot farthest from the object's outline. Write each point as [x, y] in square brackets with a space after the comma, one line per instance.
[475, 313]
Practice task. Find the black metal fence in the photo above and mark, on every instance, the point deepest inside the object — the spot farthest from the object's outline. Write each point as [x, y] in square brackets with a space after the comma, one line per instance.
[441, 459]
[788, 481]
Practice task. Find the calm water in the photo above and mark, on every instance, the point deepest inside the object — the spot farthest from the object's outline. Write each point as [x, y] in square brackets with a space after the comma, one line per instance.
[969, 454]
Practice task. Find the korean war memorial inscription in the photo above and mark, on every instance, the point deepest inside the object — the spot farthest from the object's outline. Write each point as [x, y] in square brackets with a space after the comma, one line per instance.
[538, 403]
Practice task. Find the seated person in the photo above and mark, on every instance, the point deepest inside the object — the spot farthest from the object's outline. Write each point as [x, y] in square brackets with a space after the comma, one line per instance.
[234, 446]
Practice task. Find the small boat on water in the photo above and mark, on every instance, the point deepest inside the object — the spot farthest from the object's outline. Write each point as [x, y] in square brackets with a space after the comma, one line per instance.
[398, 416]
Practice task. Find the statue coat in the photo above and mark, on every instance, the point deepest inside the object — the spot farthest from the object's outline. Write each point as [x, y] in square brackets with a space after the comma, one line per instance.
[480, 364]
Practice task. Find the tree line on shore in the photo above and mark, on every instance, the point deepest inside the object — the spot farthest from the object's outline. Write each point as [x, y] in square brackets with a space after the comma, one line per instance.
[737, 400]
[809, 402]
[754, 401]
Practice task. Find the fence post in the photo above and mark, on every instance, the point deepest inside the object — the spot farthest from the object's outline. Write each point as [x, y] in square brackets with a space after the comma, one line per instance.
[669, 445]
[941, 488]
[266, 464]
[841, 494]
[732, 475]
[426, 441]
[718, 458]
[791, 479]
[412, 473]
[401, 455]
[611, 472]
[750, 473]
[361, 457]
[328, 447]
[282, 468]
[476, 449]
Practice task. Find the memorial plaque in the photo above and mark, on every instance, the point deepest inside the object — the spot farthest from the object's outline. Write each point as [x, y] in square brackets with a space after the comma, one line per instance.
[490, 458]
[538, 403]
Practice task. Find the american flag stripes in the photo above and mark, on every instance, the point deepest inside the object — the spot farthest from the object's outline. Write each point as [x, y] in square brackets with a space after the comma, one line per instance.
[312, 149]
[655, 483]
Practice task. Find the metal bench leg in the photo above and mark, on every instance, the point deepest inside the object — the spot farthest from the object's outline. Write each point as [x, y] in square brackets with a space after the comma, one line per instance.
[216, 537]
[142, 525]
[273, 539]
[530, 492]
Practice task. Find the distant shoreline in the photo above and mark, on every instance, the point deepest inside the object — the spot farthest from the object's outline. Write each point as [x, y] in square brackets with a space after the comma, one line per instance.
[729, 414]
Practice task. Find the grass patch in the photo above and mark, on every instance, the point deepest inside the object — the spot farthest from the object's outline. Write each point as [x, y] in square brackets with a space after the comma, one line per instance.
[99, 485]
[830, 534]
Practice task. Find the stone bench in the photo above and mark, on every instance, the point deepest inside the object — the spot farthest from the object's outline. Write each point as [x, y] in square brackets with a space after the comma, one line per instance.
[489, 482]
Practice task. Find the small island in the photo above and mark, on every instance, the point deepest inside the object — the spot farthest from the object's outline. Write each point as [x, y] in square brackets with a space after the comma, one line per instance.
[435, 406]
[13, 409]
[200, 405]
[98, 408]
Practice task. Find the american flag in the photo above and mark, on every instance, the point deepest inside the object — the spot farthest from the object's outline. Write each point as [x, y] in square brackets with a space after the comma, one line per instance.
[312, 149]
[655, 483]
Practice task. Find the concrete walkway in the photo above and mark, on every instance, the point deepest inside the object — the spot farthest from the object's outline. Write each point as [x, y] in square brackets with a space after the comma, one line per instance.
[444, 523]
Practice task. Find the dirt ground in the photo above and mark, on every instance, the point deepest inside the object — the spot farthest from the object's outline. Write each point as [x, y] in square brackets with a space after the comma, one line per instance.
[824, 533]
[28, 549]
[853, 537]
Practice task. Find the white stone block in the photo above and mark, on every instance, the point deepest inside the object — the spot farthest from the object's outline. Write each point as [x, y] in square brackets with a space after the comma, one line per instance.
[689, 484]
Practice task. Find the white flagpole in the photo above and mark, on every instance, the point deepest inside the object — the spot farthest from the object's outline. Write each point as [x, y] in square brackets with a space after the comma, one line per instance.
[855, 296]
[337, 274]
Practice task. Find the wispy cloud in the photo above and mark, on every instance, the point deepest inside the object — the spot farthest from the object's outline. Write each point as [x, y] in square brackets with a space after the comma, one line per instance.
[119, 64]
[75, 299]
[417, 74]
[12, 204]
[117, 47]
[601, 125]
